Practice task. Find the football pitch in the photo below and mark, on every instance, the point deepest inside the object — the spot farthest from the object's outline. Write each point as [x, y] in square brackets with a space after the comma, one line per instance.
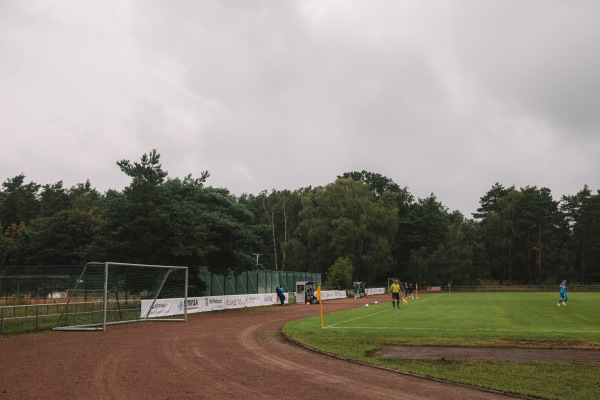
[487, 320]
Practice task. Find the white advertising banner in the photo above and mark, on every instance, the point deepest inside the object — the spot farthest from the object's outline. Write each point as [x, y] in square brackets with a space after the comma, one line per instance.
[162, 308]
[333, 294]
[372, 291]
[169, 307]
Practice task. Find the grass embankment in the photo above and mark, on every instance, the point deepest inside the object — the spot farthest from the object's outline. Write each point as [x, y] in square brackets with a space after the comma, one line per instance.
[511, 320]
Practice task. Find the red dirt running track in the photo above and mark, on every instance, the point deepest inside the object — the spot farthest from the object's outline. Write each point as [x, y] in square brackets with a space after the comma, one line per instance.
[227, 355]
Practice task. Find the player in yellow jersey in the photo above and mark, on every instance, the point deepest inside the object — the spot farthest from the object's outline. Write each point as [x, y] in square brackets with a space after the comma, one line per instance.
[395, 291]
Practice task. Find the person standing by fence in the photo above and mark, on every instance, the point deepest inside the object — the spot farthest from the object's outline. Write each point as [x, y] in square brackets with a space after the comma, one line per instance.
[280, 294]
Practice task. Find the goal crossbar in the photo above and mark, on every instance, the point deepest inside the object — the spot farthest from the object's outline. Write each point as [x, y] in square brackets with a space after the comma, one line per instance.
[124, 288]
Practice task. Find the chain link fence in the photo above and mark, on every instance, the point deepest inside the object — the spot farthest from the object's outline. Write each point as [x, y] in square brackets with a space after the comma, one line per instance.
[254, 282]
[33, 297]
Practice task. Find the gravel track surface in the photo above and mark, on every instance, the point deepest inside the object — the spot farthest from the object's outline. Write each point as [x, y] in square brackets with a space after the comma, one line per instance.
[220, 355]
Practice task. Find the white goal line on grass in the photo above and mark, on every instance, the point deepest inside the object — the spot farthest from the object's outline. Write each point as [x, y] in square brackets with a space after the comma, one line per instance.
[458, 330]
[379, 312]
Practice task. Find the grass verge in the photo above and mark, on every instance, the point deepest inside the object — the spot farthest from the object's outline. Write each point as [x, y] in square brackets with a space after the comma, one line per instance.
[511, 320]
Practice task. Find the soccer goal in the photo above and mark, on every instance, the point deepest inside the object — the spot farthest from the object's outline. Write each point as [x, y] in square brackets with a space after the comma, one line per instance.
[116, 293]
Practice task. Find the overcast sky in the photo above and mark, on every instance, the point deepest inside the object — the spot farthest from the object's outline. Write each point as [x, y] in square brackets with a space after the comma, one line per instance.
[442, 97]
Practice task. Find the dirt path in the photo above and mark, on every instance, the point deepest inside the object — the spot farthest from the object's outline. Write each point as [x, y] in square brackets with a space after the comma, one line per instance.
[231, 355]
[490, 354]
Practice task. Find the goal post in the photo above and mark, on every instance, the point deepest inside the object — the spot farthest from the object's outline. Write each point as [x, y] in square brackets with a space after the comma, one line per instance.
[115, 293]
[391, 280]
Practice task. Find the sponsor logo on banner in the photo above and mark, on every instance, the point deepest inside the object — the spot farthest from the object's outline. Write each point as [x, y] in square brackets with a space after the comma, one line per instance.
[237, 302]
[373, 291]
[192, 305]
[333, 294]
[160, 308]
[176, 306]
[213, 303]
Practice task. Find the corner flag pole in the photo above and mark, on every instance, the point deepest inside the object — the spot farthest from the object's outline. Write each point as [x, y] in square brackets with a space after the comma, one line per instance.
[318, 294]
[403, 294]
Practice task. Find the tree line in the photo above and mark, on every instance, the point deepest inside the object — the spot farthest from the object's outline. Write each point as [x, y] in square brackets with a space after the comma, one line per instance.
[362, 227]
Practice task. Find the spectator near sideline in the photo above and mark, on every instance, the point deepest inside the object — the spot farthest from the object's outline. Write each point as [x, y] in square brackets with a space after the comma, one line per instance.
[309, 296]
[409, 290]
[280, 294]
[563, 294]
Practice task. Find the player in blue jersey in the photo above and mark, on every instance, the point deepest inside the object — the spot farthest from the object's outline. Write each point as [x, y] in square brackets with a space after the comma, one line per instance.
[563, 294]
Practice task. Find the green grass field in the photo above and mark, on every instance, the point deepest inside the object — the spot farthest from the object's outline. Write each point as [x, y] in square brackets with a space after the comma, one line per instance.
[521, 320]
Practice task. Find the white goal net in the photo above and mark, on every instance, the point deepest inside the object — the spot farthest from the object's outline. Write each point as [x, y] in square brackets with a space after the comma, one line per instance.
[115, 293]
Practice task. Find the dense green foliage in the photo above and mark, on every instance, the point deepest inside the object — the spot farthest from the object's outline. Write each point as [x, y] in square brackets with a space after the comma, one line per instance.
[340, 274]
[516, 236]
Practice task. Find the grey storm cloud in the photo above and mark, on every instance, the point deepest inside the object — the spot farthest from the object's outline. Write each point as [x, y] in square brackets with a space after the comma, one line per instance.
[442, 97]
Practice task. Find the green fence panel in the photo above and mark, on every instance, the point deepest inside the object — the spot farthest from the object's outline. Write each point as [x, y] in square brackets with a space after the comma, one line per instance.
[253, 282]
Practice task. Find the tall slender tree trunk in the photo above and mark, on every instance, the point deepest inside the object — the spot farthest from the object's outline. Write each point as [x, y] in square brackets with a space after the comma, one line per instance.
[284, 237]
[583, 251]
[271, 218]
[538, 254]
